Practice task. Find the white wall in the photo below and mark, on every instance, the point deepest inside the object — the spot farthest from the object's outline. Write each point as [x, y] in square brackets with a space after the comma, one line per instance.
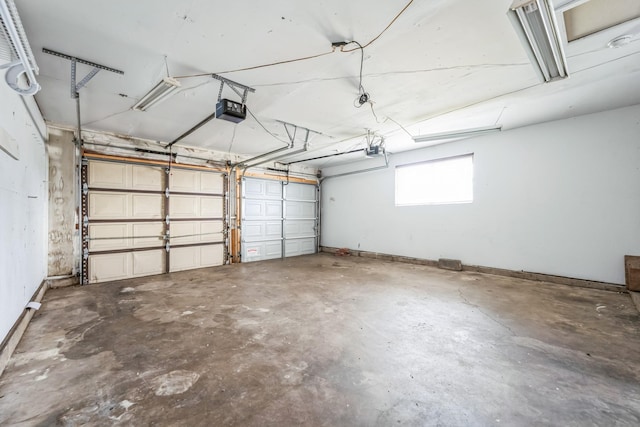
[23, 207]
[559, 198]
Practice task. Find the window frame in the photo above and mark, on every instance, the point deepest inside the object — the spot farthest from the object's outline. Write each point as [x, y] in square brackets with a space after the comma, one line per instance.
[431, 161]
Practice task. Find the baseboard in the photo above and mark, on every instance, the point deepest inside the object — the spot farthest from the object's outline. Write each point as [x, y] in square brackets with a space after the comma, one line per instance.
[538, 277]
[12, 339]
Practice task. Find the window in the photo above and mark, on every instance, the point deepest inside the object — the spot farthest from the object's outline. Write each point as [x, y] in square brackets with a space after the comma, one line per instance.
[442, 181]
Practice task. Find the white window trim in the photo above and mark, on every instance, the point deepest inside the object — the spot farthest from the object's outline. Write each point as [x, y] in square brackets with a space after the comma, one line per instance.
[431, 203]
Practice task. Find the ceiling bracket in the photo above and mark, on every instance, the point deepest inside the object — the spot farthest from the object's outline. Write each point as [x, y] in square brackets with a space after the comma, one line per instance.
[235, 86]
[292, 137]
[76, 86]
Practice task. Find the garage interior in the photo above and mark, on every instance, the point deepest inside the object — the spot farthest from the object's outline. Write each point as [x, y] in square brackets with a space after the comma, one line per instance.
[407, 213]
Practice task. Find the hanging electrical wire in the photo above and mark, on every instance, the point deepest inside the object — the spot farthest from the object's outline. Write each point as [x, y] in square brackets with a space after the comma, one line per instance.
[363, 96]
[304, 58]
[386, 28]
[265, 129]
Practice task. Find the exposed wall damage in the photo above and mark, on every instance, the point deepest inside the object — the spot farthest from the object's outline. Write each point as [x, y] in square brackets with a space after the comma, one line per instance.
[62, 196]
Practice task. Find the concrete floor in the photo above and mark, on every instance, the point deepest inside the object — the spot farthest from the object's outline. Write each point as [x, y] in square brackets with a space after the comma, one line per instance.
[325, 340]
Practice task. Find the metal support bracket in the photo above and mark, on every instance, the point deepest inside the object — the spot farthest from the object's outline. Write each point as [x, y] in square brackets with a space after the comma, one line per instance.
[292, 136]
[76, 86]
[235, 86]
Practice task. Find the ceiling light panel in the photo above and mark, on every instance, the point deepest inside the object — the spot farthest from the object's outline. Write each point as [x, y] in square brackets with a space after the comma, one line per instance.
[535, 23]
[163, 90]
[597, 15]
[457, 134]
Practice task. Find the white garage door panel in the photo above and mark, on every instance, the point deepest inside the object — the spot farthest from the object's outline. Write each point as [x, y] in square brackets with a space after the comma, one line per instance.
[300, 228]
[146, 263]
[113, 236]
[295, 191]
[108, 236]
[196, 182]
[261, 230]
[262, 189]
[262, 209]
[108, 175]
[196, 257]
[106, 267]
[196, 232]
[125, 176]
[108, 205]
[184, 206]
[146, 178]
[211, 207]
[257, 251]
[254, 209]
[211, 255]
[147, 206]
[300, 247]
[211, 183]
[147, 234]
[300, 209]
[184, 180]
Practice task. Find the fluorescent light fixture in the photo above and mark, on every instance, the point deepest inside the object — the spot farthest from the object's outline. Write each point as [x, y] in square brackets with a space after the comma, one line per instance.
[163, 90]
[535, 23]
[459, 134]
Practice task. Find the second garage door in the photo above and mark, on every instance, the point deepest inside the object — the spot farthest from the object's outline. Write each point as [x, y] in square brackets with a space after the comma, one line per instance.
[278, 219]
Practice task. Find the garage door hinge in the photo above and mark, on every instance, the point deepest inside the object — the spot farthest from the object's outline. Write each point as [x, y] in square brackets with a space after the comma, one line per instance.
[85, 254]
[166, 220]
[85, 189]
[166, 193]
[167, 247]
[85, 221]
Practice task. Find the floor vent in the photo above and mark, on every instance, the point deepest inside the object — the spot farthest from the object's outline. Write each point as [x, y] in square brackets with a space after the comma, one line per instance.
[450, 264]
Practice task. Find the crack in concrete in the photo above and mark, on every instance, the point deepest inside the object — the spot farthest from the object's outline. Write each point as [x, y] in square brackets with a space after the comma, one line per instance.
[467, 302]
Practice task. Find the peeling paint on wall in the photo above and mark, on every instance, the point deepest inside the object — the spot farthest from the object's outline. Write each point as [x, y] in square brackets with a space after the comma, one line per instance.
[62, 222]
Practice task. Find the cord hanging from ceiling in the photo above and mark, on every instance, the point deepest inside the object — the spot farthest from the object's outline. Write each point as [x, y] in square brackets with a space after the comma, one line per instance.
[363, 95]
[304, 58]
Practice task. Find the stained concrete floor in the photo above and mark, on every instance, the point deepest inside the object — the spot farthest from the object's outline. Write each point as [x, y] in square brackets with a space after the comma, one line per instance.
[323, 340]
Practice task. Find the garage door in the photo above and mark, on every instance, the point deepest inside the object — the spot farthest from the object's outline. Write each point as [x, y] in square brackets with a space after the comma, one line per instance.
[278, 218]
[196, 212]
[140, 220]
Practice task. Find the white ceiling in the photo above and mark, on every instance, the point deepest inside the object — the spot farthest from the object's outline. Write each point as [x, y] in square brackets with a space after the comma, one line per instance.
[442, 65]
